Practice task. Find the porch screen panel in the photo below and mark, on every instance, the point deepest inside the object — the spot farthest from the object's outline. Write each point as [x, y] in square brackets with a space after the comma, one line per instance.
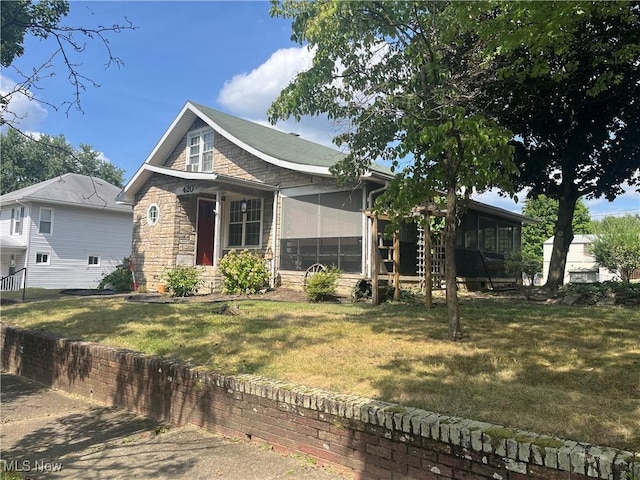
[322, 228]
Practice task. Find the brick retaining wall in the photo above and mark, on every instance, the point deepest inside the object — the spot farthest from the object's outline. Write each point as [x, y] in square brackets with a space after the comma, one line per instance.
[370, 439]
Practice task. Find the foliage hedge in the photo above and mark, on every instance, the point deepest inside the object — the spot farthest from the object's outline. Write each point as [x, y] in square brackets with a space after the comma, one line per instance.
[623, 293]
[120, 280]
[183, 281]
[322, 286]
[243, 272]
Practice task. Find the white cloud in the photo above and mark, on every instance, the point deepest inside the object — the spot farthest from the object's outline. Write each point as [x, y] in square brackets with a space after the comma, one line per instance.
[252, 93]
[22, 112]
[103, 158]
[627, 203]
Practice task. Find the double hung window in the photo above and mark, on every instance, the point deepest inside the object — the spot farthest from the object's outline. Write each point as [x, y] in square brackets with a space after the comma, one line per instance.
[200, 151]
[245, 223]
[17, 214]
[46, 221]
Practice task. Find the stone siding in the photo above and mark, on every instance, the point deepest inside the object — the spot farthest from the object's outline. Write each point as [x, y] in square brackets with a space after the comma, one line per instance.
[156, 247]
[366, 438]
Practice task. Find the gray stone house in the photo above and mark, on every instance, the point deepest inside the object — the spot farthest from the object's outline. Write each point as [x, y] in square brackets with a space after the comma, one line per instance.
[215, 182]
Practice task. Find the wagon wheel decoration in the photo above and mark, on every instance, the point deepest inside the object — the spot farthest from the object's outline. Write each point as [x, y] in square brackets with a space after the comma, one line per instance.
[312, 270]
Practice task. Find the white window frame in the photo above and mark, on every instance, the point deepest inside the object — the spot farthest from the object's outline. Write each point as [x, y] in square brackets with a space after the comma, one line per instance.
[150, 220]
[97, 264]
[244, 225]
[17, 223]
[50, 232]
[198, 149]
[48, 260]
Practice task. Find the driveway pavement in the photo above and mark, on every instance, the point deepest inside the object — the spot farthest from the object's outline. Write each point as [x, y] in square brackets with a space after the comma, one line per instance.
[50, 434]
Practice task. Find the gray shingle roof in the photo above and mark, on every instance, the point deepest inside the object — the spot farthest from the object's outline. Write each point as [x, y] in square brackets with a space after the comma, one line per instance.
[72, 189]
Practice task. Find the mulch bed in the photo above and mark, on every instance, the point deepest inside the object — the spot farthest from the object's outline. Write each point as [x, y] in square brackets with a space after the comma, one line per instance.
[277, 295]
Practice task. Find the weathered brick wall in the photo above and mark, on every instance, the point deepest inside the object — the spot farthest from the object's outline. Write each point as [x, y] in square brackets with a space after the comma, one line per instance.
[370, 439]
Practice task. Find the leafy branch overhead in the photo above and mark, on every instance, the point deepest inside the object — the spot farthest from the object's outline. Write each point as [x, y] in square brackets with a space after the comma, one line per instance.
[447, 92]
[43, 19]
[406, 81]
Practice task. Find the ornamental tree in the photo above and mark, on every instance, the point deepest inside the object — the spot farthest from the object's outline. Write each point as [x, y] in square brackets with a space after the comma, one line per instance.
[616, 245]
[406, 81]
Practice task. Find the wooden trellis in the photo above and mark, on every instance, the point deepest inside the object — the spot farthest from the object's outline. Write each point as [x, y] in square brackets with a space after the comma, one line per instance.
[393, 254]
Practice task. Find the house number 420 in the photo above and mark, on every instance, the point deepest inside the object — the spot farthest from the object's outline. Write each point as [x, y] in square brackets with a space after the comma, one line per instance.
[188, 189]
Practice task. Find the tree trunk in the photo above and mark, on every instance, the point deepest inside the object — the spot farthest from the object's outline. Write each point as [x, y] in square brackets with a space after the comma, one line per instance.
[563, 236]
[455, 331]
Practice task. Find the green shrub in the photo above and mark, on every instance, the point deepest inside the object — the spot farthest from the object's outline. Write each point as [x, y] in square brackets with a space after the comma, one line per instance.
[623, 293]
[323, 285]
[120, 280]
[243, 272]
[183, 281]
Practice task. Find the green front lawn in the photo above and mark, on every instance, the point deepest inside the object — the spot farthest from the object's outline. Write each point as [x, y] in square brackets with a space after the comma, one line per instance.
[572, 372]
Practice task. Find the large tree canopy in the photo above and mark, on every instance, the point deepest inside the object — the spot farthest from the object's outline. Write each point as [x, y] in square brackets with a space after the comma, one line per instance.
[568, 86]
[26, 161]
[406, 81]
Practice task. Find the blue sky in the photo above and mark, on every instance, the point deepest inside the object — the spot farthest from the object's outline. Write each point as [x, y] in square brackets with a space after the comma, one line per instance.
[232, 56]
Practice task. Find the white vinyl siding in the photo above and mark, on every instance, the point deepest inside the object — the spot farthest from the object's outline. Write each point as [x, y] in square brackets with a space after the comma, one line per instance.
[104, 234]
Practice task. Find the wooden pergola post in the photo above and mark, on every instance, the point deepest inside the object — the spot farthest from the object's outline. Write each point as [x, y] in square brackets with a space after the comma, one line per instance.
[396, 266]
[428, 281]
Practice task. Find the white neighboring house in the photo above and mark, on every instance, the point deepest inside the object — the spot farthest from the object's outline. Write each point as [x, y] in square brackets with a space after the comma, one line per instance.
[581, 266]
[67, 232]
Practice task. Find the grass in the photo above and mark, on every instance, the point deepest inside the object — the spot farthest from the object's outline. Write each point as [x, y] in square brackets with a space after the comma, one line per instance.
[571, 372]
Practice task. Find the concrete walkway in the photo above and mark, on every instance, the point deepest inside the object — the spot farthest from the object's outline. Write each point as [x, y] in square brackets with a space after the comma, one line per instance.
[50, 434]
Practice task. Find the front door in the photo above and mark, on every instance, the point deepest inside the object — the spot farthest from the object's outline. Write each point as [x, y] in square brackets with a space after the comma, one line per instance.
[205, 233]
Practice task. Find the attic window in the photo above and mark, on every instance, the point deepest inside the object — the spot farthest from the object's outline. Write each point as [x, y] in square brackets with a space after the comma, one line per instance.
[199, 151]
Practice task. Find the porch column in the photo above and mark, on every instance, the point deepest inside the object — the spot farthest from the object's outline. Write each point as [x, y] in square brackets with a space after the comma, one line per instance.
[375, 288]
[217, 244]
